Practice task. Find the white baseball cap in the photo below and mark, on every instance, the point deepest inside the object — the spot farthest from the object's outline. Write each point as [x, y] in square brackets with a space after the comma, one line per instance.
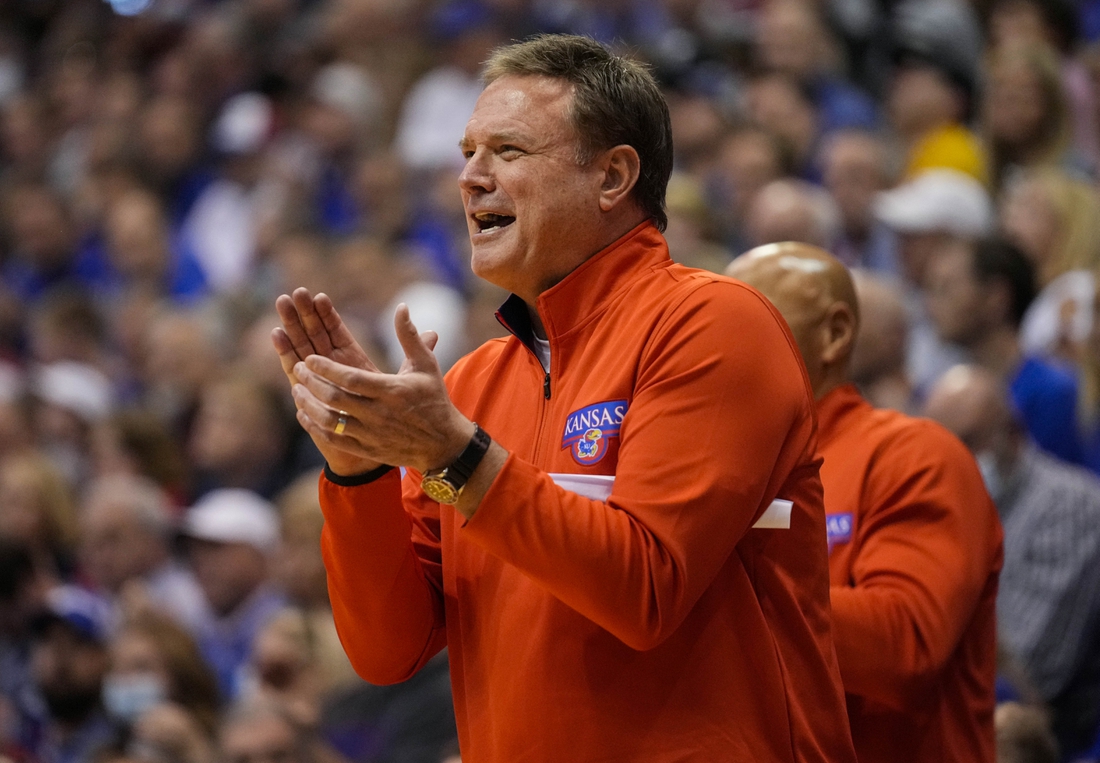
[938, 200]
[233, 515]
[76, 387]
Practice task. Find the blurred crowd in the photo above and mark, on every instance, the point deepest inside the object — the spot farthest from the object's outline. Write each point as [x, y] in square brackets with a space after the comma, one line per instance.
[168, 167]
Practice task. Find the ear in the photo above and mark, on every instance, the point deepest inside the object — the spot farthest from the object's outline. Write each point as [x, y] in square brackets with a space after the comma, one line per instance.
[838, 334]
[621, 167]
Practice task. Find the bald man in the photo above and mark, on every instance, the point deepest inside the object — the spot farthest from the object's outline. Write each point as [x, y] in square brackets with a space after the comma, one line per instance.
[914, 539]
[1049, 598]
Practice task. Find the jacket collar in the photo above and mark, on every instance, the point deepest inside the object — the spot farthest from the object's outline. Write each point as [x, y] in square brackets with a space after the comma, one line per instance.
[833, 407]
[585, 292]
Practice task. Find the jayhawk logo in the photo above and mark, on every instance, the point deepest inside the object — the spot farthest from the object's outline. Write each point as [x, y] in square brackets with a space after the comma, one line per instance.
[588, 432]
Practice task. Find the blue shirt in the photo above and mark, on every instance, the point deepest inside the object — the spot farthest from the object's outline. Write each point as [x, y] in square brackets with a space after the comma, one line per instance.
[1045, 396]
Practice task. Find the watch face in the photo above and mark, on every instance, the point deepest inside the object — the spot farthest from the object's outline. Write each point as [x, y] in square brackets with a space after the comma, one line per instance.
[439, 489]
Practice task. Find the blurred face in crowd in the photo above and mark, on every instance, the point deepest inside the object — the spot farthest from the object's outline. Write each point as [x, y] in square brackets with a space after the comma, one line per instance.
[300, 569]
[956, 299]
[854, 174]
[881, 341]
[920, 98]
[779, 105]
[1017, 22]
[168, 137]
[916, 252]
[69, 669]
[532, 210]
[237, 432]
[33, 502]
[228, 573]
[1030, 220]
[115, 545]
[136, 236]
[1016, 106]
[260, 739]
[747, 161]
[786, 210]
[790, 39]
[139, 678]
[40, 227]
[971, 403]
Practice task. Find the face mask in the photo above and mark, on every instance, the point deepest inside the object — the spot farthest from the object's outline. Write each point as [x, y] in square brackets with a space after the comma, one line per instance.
[127, 697]
[991, 473]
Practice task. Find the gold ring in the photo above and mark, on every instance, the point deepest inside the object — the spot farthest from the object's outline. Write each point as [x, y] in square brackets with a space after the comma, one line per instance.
[341, 423]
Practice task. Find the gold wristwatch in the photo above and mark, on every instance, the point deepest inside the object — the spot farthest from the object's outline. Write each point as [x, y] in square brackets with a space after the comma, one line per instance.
[445, 485]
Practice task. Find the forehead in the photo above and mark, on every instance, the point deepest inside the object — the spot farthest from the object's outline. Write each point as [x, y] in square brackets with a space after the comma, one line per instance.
[522, 107]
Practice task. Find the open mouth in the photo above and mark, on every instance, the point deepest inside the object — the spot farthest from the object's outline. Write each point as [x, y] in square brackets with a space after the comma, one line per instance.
[491, 221]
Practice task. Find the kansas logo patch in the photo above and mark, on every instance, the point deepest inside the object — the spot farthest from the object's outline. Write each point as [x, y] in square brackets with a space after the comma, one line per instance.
[589, 430]
[839, 528]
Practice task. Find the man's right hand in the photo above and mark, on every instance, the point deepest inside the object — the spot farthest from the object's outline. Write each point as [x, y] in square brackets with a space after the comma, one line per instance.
[311, 326]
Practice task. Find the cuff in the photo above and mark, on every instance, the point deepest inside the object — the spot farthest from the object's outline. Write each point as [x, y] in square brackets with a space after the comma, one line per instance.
[355, 480]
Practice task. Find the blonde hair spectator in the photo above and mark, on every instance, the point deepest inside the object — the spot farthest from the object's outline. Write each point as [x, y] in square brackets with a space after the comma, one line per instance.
[1055, 220]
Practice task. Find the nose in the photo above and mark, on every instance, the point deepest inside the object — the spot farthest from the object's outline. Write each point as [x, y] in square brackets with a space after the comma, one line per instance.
[476, 176]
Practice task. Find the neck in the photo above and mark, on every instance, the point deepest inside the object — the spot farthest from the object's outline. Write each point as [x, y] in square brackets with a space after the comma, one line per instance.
[612, 229]
[998, 352]
[831, 379]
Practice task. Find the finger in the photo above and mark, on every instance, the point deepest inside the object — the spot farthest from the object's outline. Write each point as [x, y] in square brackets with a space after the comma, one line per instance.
[325, 417]
[348, 390]
[285, 349]
[292, 325]
[420, 356]
[342, 385]
[314, 327]
[337, 330]
[429, 338]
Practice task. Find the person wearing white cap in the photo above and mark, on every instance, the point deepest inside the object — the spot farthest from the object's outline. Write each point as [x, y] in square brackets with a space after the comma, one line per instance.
[222, 225]
[928, 214]
[231, 534]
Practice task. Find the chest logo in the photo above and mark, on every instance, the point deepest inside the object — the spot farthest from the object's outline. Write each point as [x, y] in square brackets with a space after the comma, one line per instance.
[839, 528]
[588, 432]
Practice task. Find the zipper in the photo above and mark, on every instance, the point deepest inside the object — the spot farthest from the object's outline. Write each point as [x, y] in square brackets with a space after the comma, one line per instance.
[543, 406]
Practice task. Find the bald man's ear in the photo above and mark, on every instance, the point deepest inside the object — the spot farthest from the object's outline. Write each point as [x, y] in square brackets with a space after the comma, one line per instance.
[838, 334]
[621, 168]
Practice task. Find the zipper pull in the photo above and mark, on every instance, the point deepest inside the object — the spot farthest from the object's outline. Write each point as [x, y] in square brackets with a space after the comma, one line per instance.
[546, 386]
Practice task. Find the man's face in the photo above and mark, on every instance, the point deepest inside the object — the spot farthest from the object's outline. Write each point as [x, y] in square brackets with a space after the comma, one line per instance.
[114, 545]
[532, 210]
[954, 296]
[919, 98]
[69, 670]
[853, 176]
[228, 573]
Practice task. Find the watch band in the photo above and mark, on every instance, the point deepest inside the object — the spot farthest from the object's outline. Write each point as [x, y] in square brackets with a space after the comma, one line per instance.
[458, 473]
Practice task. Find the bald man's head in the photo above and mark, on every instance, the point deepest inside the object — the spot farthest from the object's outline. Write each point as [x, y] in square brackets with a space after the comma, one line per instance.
[814, 293]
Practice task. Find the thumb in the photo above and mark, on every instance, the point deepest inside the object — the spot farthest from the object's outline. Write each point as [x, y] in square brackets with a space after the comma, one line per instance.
[417, 352]
[429, 338]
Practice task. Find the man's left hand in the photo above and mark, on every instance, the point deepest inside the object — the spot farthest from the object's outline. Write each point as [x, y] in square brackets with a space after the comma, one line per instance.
[402, 419]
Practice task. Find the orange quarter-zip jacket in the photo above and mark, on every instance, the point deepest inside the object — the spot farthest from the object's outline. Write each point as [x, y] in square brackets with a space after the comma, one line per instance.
[916, 550]
[611, 600]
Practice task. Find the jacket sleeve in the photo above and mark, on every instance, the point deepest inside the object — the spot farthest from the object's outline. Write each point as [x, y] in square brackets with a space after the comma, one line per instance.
[929, 542]
[384, 577]
[721, 414]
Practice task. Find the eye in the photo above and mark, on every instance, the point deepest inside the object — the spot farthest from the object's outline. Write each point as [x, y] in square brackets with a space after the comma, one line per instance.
[510, 152]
